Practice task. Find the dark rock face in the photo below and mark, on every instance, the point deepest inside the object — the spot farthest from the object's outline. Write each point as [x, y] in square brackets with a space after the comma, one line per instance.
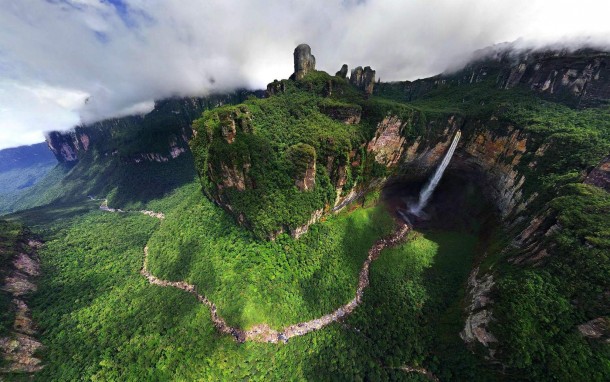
[304, 62]
[66, 146]
[342, 72]
[363, 79]
[350, 115]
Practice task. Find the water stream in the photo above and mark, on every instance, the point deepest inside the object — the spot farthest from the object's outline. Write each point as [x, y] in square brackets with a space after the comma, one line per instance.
[426, 192]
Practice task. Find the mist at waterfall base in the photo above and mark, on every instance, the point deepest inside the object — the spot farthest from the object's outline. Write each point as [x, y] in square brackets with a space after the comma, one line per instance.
[454, 198]
[426, 192]
[458, 203]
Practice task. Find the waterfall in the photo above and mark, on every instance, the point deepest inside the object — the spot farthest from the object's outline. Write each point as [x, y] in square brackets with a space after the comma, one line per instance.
[427, 191]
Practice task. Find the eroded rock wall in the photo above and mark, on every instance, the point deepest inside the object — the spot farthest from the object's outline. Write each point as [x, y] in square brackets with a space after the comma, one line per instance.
[577, 78]
[19, 346]
[492, 153]
[67, 146]
[158, 136]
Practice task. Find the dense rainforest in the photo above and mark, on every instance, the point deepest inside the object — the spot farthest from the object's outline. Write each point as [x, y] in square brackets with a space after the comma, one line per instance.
[271, 205]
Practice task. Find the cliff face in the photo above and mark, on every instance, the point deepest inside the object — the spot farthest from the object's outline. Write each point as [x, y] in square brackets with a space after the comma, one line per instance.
[248, 153]
[304, 61]
[580, 78]
[490, 152]
[363, 79]
[158, 136]
[67, 146]
[19, 271]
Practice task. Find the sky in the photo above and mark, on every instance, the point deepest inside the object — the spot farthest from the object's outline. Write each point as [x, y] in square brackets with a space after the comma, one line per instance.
[67, 62]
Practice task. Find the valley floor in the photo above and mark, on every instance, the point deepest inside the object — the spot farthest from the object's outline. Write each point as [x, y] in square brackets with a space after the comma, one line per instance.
[101, 320]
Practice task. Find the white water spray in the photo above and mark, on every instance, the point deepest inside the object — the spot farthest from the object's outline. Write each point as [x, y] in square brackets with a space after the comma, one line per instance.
[427, 191]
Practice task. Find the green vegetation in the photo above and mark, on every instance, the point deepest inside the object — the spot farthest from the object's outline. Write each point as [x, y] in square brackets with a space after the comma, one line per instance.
[101, 320]
[251, 282]
[540, 308]
[20, 169]
[275, 138]
[124, 184]
[412, 313]
[15, 182]
[537, 332]
[572, 140]
[112, 167]
[537, 310]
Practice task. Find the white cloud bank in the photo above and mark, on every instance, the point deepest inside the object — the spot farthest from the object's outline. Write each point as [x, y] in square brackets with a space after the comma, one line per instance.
[122, 54]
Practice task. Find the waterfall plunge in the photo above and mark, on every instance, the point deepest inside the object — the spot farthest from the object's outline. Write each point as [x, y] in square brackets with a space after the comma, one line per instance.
[426, 192]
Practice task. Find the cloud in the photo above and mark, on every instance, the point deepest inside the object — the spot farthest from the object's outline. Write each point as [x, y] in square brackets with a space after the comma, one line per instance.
[122, 54]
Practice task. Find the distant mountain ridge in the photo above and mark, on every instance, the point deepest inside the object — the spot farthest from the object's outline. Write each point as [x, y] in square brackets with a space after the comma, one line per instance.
[22, 168]
[25, 156]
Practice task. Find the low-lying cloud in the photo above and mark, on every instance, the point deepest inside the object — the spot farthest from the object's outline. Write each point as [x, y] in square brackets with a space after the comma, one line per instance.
[65, 62]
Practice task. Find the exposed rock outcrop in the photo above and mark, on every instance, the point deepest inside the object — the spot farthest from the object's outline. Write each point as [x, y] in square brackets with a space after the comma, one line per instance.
[19, 346]
[233, 176]
[304, 62]
[558, 75]
[300, 231]
[342, 72]
[531, 239]
[348, 114]
[388, 144]
[275, 87]
[476, 329]
[168, 126]
[363, 79]
[66, 146]
[308, 182]
[303, 158]
[498, 155]
[489, 151]
[578, 78]
[597, 329]
[600, 175]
